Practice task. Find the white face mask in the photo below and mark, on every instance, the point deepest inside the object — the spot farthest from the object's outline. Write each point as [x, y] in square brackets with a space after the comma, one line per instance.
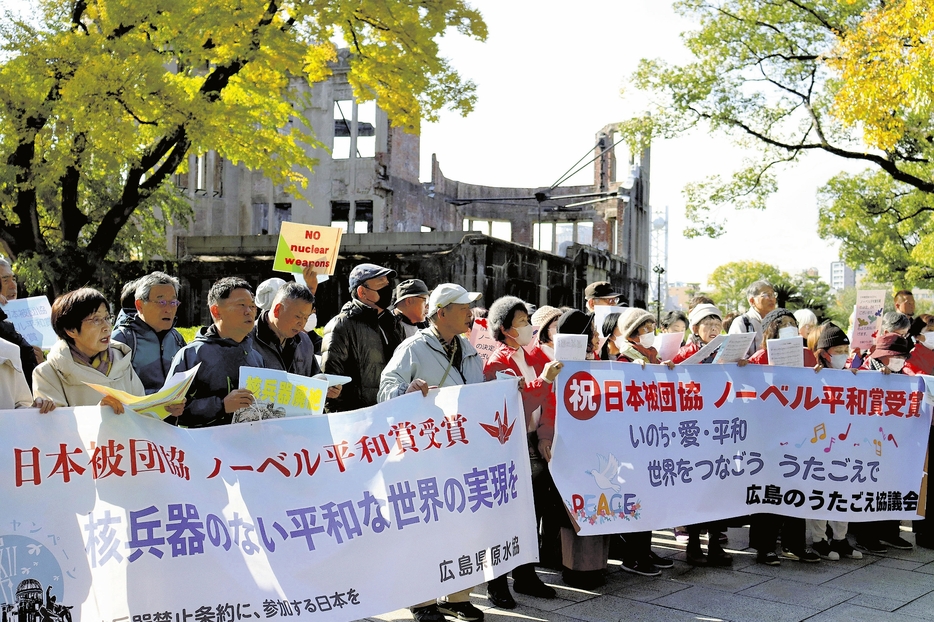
[620, 342]
[524, 334]
[838, 361]
[788, 331]
[647, 340]
[928, 339]
[896, 364]
[312, 323]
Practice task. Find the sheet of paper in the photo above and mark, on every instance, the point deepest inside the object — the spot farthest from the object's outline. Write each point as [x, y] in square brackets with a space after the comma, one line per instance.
[280, 394]
[571, 347]
[788, 352]
[32, 318]
[734, 348]
[704, 352]
[667, 345]
[333, 380]
[300, 245]
[172, 392]
[482, 340]
[601, 311]
[867, 317]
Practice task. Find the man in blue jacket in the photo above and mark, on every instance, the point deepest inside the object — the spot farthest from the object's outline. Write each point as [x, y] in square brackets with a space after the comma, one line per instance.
[151, 333]
[223, 348]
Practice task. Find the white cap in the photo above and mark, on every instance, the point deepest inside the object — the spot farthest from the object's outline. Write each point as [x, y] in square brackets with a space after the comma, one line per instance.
[266, 292]
[702, 311]
[449, 293]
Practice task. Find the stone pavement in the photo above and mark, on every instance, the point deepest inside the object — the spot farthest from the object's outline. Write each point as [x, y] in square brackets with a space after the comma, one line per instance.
[897, 587]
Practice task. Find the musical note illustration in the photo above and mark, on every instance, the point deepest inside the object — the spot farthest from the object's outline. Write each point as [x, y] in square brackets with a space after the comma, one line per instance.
[878, 445]
[827, 448]
[798, 445]
[889, 437]
[819, 429]
[843, 436]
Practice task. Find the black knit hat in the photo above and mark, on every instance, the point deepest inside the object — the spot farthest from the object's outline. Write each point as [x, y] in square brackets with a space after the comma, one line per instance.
[831, 336]
[775, 315]
[575, 322]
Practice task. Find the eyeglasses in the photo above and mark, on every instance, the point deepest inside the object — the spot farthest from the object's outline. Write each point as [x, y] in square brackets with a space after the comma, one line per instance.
[766, 295]
[165, 303]
[100, 322]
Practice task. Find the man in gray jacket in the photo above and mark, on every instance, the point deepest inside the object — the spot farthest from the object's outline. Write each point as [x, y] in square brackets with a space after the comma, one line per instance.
[151, 333]
[438, 356]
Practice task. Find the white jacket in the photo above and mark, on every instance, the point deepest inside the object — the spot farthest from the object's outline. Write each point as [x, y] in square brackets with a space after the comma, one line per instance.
[14, 392]
[61, 379]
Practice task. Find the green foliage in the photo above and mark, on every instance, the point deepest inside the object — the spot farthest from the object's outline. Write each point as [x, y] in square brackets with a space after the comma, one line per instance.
[731, 280]
[801, 291]
[100, 103]
[767, 74]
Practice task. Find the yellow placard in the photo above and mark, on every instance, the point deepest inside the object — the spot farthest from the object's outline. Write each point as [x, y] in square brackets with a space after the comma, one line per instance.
[301, 246]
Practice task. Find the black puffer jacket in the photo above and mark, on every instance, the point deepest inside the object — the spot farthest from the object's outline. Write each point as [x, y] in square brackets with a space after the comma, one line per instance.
[26, 354]
[358, 343]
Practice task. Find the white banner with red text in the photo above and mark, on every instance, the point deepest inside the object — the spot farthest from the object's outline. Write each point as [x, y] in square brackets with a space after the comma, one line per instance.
[126, 518]
[638, 449]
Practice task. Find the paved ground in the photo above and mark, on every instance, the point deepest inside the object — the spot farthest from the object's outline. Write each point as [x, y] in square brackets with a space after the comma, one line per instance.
[897, 587]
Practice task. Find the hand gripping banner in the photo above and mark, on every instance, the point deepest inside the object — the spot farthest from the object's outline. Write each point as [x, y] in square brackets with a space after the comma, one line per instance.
[638, 449]
[125, 518]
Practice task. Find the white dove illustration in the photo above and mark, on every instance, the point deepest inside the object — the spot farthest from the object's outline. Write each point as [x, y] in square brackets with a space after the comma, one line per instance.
[605, 473]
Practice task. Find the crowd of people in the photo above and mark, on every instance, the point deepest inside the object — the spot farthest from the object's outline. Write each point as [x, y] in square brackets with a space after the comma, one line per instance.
[404, 338]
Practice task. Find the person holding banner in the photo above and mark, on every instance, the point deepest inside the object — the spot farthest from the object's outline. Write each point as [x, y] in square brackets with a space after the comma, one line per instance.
[509, 324]
[360, 340]
[29, 355]
[889, 355]
[583, 558]
[223, 347]
[705, 321]
[705, 325]
[84, 353]
[637, 330]
[831, 346]
[764, 529]
[14, 392]
[438, 356]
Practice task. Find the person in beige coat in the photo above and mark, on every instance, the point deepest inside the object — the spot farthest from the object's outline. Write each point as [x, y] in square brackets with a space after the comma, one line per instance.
[84, 353]
[14, 392]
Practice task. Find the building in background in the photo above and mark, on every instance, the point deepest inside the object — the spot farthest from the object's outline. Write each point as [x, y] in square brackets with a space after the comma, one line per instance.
[367, 182]
[841, 276]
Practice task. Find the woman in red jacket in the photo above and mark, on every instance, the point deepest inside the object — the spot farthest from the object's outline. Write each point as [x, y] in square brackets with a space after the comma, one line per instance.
[508, 322]
[764, 529]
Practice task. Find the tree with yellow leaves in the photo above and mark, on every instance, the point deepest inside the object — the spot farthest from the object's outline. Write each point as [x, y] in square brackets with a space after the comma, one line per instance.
[101, 101]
